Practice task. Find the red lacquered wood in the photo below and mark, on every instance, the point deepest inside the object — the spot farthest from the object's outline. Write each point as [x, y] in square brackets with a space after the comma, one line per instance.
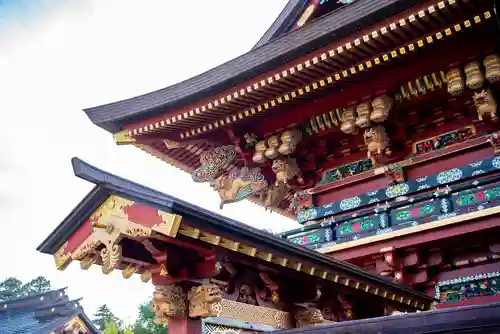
[471, 301]
[417, 238]
[185, 326]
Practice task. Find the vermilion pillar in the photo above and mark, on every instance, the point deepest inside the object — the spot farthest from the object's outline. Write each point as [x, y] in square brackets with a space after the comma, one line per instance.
[185, 326]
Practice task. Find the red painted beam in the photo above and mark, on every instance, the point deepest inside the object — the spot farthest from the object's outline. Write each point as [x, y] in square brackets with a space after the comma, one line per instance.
[469, 271]
[417, 238]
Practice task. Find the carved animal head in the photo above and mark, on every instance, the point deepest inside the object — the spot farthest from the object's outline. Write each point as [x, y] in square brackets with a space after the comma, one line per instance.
[483, 97]
[285, 169]
[221, 182]
[275, 194]
[309, 316]
[212, 293]
[168, 301]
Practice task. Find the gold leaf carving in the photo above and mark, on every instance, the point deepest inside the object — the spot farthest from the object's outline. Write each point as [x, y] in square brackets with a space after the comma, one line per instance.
[62, 258]
[168, 301]
[128, 271]
[202, 300]
[110, 258]
[170, 224]
[146, 276]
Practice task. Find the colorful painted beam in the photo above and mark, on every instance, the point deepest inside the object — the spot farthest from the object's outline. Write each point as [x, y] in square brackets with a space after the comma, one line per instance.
[444, 178]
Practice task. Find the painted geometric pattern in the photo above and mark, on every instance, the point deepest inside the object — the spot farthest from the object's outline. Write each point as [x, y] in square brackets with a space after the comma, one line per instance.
[220, 329]
[403, 189]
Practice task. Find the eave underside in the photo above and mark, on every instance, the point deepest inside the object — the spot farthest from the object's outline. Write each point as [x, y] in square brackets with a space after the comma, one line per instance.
[258, 61]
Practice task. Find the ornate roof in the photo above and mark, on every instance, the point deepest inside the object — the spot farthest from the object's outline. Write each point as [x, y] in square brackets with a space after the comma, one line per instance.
[263, 58]
[46, 312]
[108, 184]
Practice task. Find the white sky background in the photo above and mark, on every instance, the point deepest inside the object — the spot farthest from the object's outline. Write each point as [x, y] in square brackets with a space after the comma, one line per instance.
[58, 57]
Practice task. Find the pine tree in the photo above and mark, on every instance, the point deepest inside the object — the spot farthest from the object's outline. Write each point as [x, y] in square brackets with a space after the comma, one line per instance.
[37, 285]
[13, 288]
[103, 316]
[10, 289]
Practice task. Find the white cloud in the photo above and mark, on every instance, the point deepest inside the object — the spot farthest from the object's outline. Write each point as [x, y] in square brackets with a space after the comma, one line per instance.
[56, 60]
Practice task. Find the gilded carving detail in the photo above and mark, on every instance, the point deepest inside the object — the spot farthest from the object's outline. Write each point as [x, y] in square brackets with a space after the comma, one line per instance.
[146, 276]
[239, 184]
[124, 138]
[492, 68]
[473, 75]
[111, 207]
[168, 301]
[128, 271]
[204, 300]
[87, 262]
[170, 225]
[86, 250]
[363, 110]
[376, 140]
[381, 107]
[110, 223]
[308, 317]
[348, 121]
[253, 314]
[455, 82]
[62, 258]
[485, 104]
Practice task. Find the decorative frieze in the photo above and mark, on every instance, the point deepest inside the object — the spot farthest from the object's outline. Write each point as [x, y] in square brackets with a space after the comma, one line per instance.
[346, 170]
[312, 237]
[444, 140]
[204, 301]
[360, 227]
[463, 288]
[415, 212]
[470, 197]
[403, 189]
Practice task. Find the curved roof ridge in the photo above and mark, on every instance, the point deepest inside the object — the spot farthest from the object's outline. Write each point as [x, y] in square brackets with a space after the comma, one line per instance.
[249, 65]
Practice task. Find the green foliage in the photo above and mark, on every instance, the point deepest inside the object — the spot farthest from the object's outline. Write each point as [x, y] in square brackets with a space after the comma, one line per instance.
[10, 289]
[111, 327]
[104, 316]
[37, 285]
[13, 288]
[145, 321]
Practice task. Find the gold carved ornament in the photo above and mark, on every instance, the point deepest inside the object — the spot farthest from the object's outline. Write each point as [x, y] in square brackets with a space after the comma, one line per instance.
[62, 258]
[110, 224]
[169, 301]
[204, 301]
[309, 316]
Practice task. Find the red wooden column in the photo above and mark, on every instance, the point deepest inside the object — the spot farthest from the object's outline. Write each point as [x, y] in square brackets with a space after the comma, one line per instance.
[185, 326]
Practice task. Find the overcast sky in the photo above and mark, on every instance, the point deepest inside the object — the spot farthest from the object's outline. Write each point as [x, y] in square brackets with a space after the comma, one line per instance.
[58, 57]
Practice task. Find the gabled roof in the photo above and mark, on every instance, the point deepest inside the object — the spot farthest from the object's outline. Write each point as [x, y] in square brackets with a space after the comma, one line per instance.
[288, 16]
[258, 61]
[109, 184]
[41, 313]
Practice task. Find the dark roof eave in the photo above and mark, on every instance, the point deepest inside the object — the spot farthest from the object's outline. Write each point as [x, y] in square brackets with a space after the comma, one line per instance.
[107, 183]
[288, 16]
[264, 58]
